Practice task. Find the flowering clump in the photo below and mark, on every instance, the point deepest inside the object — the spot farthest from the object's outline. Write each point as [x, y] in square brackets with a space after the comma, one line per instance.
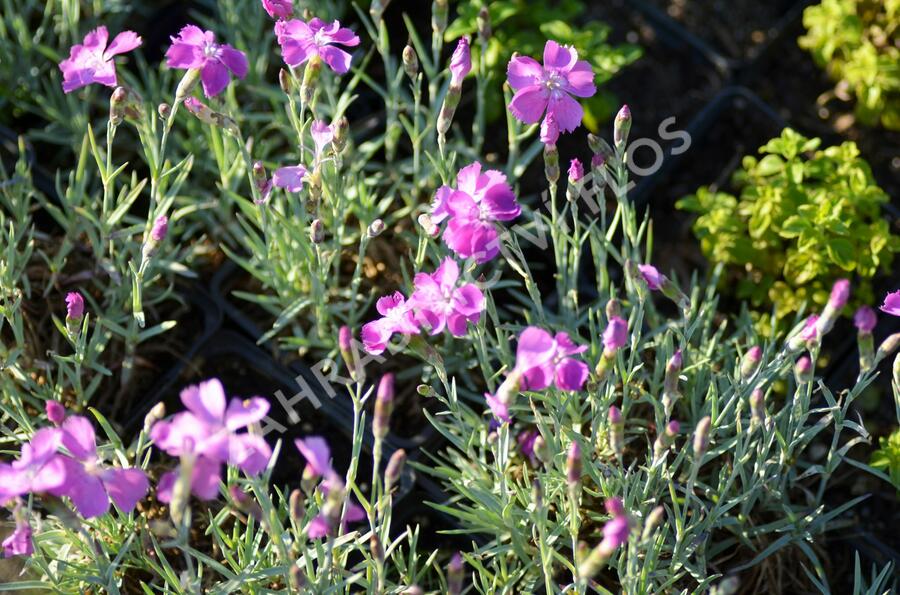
[93, 62]
[195, 49]
[206, 436]
[549, 88]
[301, 41]
[471, 209]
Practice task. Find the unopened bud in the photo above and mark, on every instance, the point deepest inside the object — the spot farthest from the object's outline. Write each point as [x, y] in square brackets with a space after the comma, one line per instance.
[187, 84]
[376, 549]
[573, 465]
[750, 362]
[484, 25]
[164, 109]
[653, 520]
[670, 384]
[410, 62]
[375, 228]
[310, 79]
[455, 575]
[439, 10]
[621, 127]
[317, 231]
[55, 411]
[613, 309]
[757, 407]
[384, 405]
[298, 578]
[377, 8]
[245, 503]
[157, 234]
[701, 438]
[448, 109]
[206, 115]
[887, 347]
[665, 439]
[428, 226]
[285, 81]
[117, 106]
[803, 370]
[341, 127]
[616, 430]
[297, 505]
[537, 494]
[156, 413]
[394, 468]
[551, 163]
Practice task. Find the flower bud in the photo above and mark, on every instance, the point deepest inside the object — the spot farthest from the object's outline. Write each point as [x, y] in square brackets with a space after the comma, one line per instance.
[484, 25]
[187, 84]
[375, 548]
[206, 115]
[615, 336]
[701, 438]
[410, 62]
[549, 130]
[341, 128]
[448, 109]
[384, 404]
[673, 370]
[245, 503]
[551, 163]
[616, 430]
[310, 79]
[375, 228]
[865, 319]
[666, 439]
[439, 9]
[316, 231]
[394, 468]
[74, 312]
[621, 127]
[117, 106]
[840, 293]
[157, 234]
[428, 226]
[298, 578]
[573, 465]
[377, 8]
[455, 575]
[56, 413]
[537, 494]
[297, 505]
[803, 371]
[653, 520]
[750, 362]
[757, 407]
[887, 347]
[345, 346]
[156, 413]
[613, 309]
[285, 81]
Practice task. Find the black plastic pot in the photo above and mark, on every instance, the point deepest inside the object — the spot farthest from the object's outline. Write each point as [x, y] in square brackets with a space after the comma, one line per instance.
[736, 68]
[171, 381]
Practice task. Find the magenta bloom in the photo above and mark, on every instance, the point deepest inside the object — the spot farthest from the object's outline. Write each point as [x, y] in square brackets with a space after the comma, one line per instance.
[197, 49]
[317, 454]
[865, 319]
[479, 200]
[39, 468]
[279, 9]
[615, 532]
[160, 228]
[437, 302]
[397, 317]
[208, 431]
[91, 485]
[301, 41]
[549, 88]
[616, 334]
[892, 303]
[543, 360]
[290, 178]
[74, 306]
[652, 277]
[460, 62]
[92, 61]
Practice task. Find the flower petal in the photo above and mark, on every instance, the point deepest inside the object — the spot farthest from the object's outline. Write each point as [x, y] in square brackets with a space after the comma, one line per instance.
[529, 103]
[124, 42]
[206, 400]
[523, 71]
[126, 487]
[567, 111]
[243, 412]
[79, 438]
[215, 78]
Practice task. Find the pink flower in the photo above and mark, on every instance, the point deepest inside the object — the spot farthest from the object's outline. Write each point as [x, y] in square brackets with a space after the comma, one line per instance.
[616, 334]
[92, 61]
[865, 319]
[18, 543]
[208, 431]
[160, 228]
[397, 317]
[652, 277]
[74, 306]
[89, 484]
[892, 303]
[548, 88]
[301, 41]
[460, 62]
[39, 468]
[543, 359]
[279, 9]
[317, 454]
[438, 302]
[290, 178]
[197, 49]
[615, 533]
[479, 200]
